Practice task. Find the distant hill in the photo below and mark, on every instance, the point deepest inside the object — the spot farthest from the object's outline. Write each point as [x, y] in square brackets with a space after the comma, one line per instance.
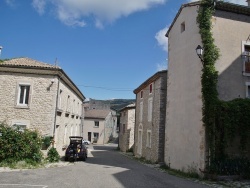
[118, 104]
[115, 104]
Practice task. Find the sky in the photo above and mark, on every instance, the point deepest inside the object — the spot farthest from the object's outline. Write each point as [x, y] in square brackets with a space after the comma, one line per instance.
[107, 47]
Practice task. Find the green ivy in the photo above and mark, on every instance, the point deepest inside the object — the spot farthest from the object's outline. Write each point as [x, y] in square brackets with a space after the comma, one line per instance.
[224, 120]
[209, 76]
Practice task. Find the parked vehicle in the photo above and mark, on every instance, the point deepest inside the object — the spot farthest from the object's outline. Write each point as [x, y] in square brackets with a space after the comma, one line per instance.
[76, 149]
[87, 142]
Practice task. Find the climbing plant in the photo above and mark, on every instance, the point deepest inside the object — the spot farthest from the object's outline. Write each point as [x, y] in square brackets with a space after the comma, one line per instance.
[209, 76]
[224, 120]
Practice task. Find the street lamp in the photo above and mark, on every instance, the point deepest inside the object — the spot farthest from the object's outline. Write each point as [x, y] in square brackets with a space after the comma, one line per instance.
[199, 52]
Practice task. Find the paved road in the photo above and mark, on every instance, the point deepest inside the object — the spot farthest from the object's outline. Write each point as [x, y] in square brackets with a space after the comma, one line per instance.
[105, 168]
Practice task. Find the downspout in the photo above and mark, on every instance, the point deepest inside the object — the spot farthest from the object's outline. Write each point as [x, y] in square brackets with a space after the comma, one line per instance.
[54, 130]
[135, 131]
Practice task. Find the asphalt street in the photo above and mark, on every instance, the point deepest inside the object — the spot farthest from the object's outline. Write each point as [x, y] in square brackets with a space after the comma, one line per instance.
[104, 168]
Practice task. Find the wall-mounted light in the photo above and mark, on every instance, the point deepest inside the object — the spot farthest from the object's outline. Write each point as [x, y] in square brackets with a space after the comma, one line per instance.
[199, 52]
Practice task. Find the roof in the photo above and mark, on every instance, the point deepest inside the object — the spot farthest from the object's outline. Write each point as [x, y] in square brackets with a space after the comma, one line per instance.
[130, 106]
[30, 66]
[27, 62]
[98, 114]
[219, 5]
[150, 80]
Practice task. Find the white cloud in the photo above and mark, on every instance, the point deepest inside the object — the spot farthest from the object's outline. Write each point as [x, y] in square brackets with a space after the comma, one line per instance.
[39, 5]
[240, 2]
[162, 39]
[72, 12]
[10, 2]
[162, 66]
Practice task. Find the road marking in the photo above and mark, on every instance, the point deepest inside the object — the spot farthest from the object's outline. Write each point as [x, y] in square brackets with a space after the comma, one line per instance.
[24, 185]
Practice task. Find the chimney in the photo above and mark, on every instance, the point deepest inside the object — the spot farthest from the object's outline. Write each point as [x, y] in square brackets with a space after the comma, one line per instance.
[248, 2]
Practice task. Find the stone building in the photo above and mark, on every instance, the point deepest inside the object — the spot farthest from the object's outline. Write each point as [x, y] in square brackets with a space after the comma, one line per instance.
[185, 147]
[150, 117]
[127, 126]
[99, 125]
[40, 96]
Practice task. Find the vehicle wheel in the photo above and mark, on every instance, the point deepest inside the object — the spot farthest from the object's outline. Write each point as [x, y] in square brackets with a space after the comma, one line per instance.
[66, 159]
[84, 158]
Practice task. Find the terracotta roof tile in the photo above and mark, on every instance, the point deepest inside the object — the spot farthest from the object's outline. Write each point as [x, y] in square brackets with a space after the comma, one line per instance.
[27, 62]
[96, 113]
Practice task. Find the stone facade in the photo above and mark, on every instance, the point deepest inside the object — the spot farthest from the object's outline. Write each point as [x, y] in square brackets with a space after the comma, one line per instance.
[185, 139]
[150, 118]
[127, 126]
[46, 108]
[99, 125]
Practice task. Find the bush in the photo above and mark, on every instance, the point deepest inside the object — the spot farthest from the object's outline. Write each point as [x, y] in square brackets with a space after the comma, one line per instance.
[53, 155]
[19, 145]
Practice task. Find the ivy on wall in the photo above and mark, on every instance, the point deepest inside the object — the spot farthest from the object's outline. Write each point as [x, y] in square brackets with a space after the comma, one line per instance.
[224, 120]
[209, 76]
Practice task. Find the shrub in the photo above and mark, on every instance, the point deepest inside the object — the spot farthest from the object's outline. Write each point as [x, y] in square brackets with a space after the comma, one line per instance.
[18, 145]
[53, 155]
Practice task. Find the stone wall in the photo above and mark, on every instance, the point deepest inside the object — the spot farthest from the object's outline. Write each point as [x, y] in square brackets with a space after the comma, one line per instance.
[156, 127]
[41, 112]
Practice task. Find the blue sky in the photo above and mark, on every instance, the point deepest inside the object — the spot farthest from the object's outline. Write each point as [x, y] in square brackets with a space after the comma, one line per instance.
[107, 47]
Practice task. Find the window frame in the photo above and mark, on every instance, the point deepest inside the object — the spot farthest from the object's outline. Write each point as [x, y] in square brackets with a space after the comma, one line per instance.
[150, 88]
[149, 139]
[150, 109]
[141, 112]
[25, 97]
[95, 124]
[247, 87]
[244, 58]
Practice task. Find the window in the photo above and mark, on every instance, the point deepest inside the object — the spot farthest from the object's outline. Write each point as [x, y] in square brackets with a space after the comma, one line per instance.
[148, 144]
[141, 94]
[96, 123]
[73, 106]
[246, 57]
[96, 136]
[247, 89]
[183, 27]
[150, 88]
[68, 104]
[141, 111]
[23, 95]
[19, 126]
[60, 100]
[123, 128]
[150, 109]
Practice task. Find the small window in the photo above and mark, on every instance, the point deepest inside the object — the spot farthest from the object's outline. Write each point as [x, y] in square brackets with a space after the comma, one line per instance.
[96, 123]
[247, 89]
[141, 111]
[246, 57]
[148, 144]
[19, 127]
[68, 104]
[183, 27]
[141, 94]
[150, 109]
[23, 95]
[60, 100]
[123, 128]
[150, 88]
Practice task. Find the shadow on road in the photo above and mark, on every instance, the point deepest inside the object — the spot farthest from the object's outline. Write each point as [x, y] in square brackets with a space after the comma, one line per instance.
[131, 173]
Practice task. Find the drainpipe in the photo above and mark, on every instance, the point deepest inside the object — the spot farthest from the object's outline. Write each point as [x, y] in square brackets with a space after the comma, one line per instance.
[54, 130]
